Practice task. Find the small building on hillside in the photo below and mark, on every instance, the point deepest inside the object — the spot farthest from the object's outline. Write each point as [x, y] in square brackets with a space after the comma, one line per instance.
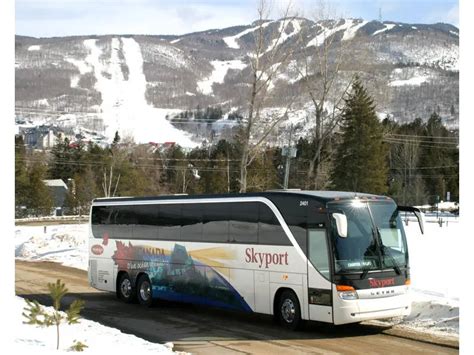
[59, 191]
[41, 137]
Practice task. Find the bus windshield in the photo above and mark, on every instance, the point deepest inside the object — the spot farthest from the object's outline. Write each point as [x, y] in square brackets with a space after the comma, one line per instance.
[375, 238]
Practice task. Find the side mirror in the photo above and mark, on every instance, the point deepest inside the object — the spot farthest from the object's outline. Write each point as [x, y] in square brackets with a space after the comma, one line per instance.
[341, 224]
[420, 216]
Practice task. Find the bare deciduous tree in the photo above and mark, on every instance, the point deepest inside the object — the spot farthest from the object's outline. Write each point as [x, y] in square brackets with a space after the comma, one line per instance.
[265, 62]
[320, 71]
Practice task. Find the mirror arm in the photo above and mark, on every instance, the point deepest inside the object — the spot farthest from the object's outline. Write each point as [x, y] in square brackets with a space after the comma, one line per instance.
[418, 214]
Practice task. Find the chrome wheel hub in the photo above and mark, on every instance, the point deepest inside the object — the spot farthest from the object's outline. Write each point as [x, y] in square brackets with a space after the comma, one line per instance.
[288, 311]
[126, 288]
[145, 291]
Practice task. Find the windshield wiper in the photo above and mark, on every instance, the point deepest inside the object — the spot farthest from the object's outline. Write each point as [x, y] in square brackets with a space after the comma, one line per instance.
[395, 265]
[365, 271]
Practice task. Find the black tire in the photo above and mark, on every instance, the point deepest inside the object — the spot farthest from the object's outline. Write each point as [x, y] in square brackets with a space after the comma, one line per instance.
[125, 289]
[144, 294]
[289, 311]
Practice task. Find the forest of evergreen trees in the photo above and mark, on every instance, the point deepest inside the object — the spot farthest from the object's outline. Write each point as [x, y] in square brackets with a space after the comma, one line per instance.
[415, 163]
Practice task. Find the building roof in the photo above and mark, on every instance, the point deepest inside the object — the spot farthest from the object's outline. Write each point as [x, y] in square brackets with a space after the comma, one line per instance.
[55, 183]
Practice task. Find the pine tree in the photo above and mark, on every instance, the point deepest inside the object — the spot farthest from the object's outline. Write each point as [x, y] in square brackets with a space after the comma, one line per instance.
[35, 314]
[360, 160]
[116, 139]
[440, 159]
[67, 160]
[21, 173]
[39, 195]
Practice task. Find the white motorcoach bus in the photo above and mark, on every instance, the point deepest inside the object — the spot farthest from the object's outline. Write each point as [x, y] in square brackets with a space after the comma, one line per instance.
[336, 257]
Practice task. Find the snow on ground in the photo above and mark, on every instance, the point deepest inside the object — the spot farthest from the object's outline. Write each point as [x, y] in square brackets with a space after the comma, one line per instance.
[282, 36]
[124, 106]
[221, 67]
[351, 31]
[30, 339]
[415, 81]
[442, 55]
[34, 48]
[82, 65]
[65, 244]
[435, 284]
[434, 262]
[410, 76]
[349, 26]
[231, 41]
[387, 27]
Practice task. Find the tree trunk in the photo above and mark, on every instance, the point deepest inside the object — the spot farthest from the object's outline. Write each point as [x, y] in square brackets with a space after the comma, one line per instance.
[243, 169]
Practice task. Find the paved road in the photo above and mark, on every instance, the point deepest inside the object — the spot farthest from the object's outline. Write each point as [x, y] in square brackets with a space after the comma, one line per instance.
[209, 331]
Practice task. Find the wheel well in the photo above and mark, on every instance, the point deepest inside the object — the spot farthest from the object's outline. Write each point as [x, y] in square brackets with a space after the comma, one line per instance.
[277, 298]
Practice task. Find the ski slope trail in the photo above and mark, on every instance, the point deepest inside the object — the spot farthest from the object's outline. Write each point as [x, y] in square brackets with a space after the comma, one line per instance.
[124, 107]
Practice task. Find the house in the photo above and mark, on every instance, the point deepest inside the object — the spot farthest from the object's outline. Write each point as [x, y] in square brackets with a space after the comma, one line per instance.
[59, 191]
[42, 137]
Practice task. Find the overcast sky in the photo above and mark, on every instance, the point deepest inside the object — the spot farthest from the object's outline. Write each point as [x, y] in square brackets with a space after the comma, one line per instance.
[47, 18]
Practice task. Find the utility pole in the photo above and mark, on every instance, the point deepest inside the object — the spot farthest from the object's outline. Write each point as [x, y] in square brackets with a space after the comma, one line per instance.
[228, 172]
[289, 152]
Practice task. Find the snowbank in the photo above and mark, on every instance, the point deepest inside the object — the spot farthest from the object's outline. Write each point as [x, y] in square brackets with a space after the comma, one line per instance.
[436, 289]
[65, 244]
[30, 339]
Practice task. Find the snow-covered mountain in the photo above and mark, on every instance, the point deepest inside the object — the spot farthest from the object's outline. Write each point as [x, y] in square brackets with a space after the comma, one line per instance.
[139, 85]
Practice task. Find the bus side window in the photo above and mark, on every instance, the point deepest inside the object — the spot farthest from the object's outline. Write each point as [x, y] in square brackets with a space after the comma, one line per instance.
[100, 217]
[121, 223]
[169, 222]
[243, 226]
[269, 229]
[216, 222]
[146, 226]
[191, 220]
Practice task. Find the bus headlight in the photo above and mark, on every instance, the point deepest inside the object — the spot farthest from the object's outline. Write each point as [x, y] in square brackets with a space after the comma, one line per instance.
[348, 295]
[347, 292]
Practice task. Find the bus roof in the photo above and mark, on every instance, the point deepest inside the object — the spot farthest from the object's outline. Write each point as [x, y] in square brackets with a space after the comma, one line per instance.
[322, 196]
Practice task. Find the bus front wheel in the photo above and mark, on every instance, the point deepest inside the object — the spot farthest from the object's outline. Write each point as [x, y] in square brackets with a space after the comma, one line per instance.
[289, 312]
[144, 293]
[124, 288]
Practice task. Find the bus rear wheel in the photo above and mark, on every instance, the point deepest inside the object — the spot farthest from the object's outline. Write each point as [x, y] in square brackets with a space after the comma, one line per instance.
[289, 313]
[124, 288]
[144, 291]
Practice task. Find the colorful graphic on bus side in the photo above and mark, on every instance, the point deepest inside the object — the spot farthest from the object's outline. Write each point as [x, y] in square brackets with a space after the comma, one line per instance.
[176, 276]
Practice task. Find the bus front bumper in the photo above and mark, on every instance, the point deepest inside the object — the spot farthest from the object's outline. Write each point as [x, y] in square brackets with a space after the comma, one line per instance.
[387, 302]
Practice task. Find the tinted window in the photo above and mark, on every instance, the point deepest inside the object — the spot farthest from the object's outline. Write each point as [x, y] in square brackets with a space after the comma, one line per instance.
[298, 226]
[216, 222]
[269, 229]
[192, 222]
[118, 222]
[318, 251]
[100, 218]
[243, 225]
[169, 222]
[146, 226]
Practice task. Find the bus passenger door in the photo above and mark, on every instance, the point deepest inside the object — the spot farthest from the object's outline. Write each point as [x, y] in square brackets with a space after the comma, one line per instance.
[319, 274]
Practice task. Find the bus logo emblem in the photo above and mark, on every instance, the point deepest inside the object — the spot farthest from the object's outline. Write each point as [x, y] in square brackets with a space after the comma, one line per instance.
[97, 249]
